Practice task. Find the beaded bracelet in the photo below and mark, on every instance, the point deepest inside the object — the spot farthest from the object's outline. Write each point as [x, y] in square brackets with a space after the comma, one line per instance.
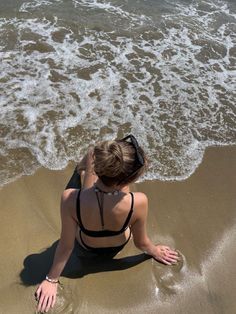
[52, 280]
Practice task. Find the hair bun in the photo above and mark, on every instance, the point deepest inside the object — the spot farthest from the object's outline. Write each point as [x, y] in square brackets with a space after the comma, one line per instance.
[108, 159]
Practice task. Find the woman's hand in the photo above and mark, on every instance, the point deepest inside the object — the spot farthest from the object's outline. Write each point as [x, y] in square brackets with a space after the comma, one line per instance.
[87, 161]
[46, 296]
[166, 255]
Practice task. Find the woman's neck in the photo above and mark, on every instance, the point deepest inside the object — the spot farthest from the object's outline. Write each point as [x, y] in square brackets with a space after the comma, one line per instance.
[107, 189]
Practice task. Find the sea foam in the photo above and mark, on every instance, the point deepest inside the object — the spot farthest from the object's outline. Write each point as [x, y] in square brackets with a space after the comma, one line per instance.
[65, 85]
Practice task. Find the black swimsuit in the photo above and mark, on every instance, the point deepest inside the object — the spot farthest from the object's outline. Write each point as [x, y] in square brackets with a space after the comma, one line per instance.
[75, 183]
[103, 233]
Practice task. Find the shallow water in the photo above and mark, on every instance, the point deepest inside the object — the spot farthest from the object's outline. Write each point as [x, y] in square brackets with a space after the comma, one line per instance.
[77, 71]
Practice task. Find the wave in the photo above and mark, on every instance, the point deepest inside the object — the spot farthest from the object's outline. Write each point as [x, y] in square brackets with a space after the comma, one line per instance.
[65, 85]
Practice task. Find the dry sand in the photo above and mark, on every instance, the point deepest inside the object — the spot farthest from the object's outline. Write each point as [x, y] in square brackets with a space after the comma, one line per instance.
[197, 216]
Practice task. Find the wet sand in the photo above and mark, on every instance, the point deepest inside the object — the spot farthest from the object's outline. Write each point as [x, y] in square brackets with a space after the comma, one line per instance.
[197, 216]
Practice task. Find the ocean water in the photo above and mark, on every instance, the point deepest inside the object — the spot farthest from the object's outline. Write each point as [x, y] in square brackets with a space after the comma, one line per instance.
[73, 72]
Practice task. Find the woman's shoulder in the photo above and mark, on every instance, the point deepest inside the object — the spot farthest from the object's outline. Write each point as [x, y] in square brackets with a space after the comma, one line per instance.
[68, 200]
[69, 195]
[140, 199]
[140, 206]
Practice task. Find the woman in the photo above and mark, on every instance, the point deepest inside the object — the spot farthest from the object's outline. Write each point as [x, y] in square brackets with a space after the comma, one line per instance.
[104, 213]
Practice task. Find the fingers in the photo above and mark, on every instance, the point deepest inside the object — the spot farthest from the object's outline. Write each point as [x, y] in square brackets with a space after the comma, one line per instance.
[38, 292]
[166, 255]
[168, 261]
[40, 304]
[46, 296]
[53, 301]
[171, 260]
[170, 251]
[49, 302]
[165, 262]
[45, 303]
[172, 256]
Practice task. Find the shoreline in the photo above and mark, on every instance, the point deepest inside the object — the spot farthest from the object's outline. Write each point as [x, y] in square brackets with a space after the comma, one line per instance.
[196, 216]
[71, 164]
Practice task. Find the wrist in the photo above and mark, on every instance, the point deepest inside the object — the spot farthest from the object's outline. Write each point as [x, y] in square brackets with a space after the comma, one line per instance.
[147, 247]
[52, 280]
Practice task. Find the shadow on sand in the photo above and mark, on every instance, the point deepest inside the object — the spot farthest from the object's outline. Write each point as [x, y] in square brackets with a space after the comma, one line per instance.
[80, 263]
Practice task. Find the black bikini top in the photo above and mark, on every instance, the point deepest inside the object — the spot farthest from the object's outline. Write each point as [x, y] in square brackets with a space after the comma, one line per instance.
[103, 233]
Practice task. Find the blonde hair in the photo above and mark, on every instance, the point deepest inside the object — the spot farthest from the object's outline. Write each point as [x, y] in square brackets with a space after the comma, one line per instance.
[114, 161]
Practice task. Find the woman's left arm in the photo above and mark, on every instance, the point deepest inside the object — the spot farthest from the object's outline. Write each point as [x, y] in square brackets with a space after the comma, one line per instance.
[46, 292]
[141, 240]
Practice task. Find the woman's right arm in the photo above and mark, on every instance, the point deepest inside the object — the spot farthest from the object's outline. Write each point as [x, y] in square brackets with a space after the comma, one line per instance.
[46, 292]
[86, 169]
[161, 253]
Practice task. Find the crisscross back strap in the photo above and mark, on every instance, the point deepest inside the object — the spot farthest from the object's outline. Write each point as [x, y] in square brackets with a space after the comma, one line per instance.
[103, 233]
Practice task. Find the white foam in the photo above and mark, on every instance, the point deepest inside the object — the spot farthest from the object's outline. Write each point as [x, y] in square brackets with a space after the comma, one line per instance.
[28, 6]
[111, 8]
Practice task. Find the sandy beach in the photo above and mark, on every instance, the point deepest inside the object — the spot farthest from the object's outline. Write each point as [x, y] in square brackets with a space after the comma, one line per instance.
[196, 216]
[76, 72]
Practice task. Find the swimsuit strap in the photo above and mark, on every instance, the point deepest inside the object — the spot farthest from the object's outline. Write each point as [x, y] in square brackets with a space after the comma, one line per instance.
[101, 250]
[126, 223]
[103, 233]
[100, 205]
